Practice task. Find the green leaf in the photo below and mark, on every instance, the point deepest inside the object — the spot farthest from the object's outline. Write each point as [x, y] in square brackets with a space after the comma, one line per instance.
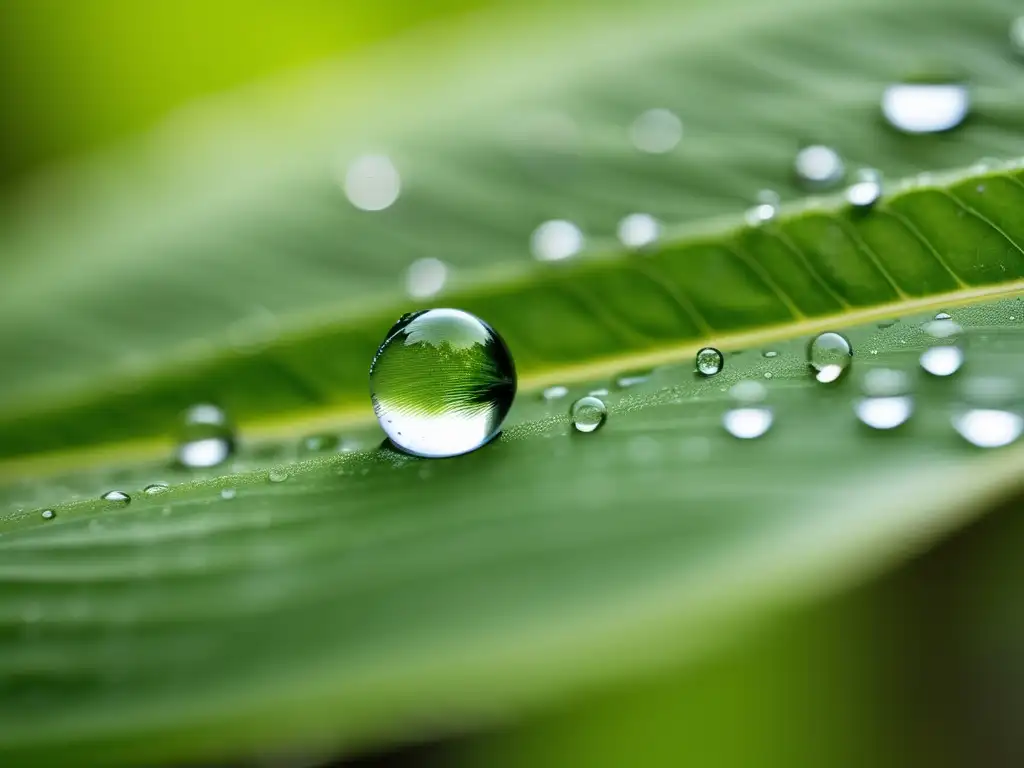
[372, 596]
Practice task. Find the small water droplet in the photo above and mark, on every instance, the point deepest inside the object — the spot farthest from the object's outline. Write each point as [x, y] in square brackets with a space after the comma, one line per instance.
[829, 354]
[919, 108]
[943, 316]
[319, 443]
[748, 417]
[656, 131]
[887, 324]
[627, 380]
[228, 493]
[556, 240]
[278, 474]
[709, 361]
[886, 403]
[442, 383]
[765, 208]
[866, 189]
[819, 167]
[556, 392]
[638, 230]
[119, 498]
[588, 414]
[206, 437]
[770, 353]
[767, 374]
[425, 278]
[599, 392]
[372, 183]
[154, 488]
[946, 355]
[48, 514]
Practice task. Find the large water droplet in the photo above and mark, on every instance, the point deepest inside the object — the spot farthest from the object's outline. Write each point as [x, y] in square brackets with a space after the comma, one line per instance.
[207, 438]
[556, 240]
[829, 354]
[425, 278]
[154, 489]
[990, 415]
[886, 403]
[120, 498]
[638, 230]
[372, 182]
[765, 208]
[588, 414]
[819, 167]
[442, 383]
[925, 107]
[709, 361]
[945, 356]
[866, 189]
[656, 131]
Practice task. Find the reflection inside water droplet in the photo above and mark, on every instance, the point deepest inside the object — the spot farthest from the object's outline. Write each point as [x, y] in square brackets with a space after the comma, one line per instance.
[925, 107]
[656, 131]
[638, 230]
[556, 240]
[588, 414]
[372, 182]
[819, 167]
[709, 361]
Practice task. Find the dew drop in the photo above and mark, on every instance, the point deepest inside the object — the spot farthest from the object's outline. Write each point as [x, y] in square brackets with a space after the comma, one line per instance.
[765, 208]
[638, 230]
[769, 353]
[425, 278]
[319, 443]
[920, 108]
[556, 240]
[943, 316]
[155, 488]
[120, 498]
[556, 392]
[627, 380]
[599, 392]
[656, 131]
[819, 167]
[946, 355]
[866, 189]
[442, 383]
[886, 401]
[748, 417]
[206, 437]
[990, 412]
[278, 474]
[372, 183]
[588, 414]
[48, 514]
[709, 361]
[829, 354]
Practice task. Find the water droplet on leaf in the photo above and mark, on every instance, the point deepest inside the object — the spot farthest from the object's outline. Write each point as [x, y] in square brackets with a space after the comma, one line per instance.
[990, 414]
[656, 131]
[925, 107]
[319, 443]
[829, 354]
[866, 190]
[945, 356]
[819, 167]
[588, 414]
[556, 240]
[748, 417]
[442, 383]
[709, 361]
[372, 183]
[48, 514]
[886, 403]
[765, 209]
[278, 474]
[120, 498]
[207, 438]
[227, 493]
[639, 230]
[557, 392]
[154, 488]
[425, 278]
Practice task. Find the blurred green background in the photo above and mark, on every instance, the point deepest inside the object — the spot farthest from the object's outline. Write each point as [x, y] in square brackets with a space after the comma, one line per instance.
[77, 76]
